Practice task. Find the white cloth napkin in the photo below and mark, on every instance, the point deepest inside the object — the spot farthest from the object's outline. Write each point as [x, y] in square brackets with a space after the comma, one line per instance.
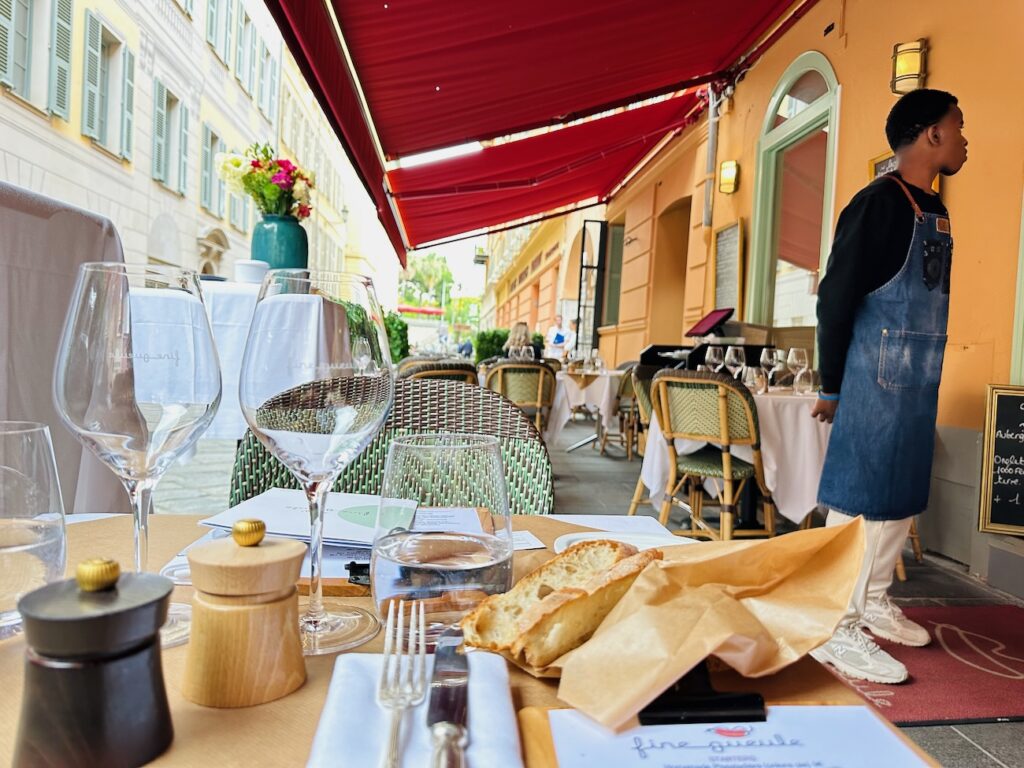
[353, 727]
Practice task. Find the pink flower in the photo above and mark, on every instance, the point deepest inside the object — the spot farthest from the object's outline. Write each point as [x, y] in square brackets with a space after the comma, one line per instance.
[285, 165]
[283, 179]
[304, 211]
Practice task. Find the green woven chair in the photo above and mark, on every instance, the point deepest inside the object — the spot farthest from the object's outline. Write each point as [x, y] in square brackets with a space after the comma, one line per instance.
[449, 370]
[530, 384]
[644, 409]
[713, 408]
[555, 365]
[411, 360]
[625, 407]
[421, 406]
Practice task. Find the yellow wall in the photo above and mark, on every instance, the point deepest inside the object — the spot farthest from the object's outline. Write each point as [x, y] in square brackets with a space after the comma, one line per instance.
[972, 54]
[532, 301]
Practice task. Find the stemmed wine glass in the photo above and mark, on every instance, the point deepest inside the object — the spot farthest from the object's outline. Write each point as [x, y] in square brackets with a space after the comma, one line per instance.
[714, 359]
[797, 364]
[137, 381]
[735, 360]
[304, 401]
[767, 361]
[361, 354]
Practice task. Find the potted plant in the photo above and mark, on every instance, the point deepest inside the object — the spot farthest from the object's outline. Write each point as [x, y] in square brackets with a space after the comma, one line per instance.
[282, 193]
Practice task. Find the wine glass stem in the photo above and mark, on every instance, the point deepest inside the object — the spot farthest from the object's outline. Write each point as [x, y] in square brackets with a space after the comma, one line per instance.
[140, 493]
[316, 493]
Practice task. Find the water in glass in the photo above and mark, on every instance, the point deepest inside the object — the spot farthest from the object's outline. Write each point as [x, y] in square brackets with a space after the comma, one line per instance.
[735, 359]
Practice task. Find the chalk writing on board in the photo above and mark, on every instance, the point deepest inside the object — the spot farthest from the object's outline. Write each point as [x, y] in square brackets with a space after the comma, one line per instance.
[728, 265]
[1002, 502]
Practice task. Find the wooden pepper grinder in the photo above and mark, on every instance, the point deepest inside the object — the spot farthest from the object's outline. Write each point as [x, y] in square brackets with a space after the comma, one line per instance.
[244, 647]
[94, 686]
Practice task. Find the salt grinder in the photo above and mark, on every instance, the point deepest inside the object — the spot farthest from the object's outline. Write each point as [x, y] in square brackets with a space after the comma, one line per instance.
[94, 687]
[245, 647]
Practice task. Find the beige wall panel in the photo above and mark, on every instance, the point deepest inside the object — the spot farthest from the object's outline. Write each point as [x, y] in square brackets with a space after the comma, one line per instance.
[633, 305]
[640, 208]
[636, 273]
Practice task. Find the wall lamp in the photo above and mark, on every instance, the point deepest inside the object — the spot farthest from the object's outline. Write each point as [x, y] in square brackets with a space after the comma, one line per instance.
[728, 176]
[909, 66]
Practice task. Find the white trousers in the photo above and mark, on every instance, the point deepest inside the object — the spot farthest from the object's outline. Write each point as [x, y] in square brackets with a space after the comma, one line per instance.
[884, 541]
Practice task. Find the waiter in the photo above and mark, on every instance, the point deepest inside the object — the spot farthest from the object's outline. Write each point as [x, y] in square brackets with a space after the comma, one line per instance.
[882, 309]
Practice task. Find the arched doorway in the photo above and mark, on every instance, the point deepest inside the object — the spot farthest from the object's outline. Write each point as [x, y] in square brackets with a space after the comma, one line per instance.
[212, 246]
[793, 197]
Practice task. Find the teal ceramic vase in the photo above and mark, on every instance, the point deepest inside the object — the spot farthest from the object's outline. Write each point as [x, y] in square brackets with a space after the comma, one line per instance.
[281, 242]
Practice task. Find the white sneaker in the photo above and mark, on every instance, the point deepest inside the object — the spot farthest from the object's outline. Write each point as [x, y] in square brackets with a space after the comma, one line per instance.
[884, 619]
[856, 655]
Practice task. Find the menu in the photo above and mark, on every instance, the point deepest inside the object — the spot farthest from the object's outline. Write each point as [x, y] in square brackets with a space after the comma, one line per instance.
[1002, 495]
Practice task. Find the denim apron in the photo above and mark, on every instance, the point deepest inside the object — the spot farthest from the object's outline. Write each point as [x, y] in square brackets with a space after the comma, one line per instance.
[879, 457]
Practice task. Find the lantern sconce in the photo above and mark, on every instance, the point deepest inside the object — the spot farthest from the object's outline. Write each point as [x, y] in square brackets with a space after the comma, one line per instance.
[728, 176]
[908, 66]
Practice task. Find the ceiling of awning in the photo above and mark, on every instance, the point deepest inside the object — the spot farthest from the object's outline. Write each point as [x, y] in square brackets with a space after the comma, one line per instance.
[399, 77]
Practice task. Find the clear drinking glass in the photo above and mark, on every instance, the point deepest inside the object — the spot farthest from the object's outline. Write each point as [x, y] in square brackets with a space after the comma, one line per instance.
[767, 362]
[361, 355]
[714, 359]
[137, 381]
[527, 353]
[303, 400]
[755, 380]
[443, 534]
[32, 550]
[797, 364]
[735, 359]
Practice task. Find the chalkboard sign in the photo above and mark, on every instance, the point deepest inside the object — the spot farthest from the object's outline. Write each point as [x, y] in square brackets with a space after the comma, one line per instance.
[1002, 480]
[729, 266]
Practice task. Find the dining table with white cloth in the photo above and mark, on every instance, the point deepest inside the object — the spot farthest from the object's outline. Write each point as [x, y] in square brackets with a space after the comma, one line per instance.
[597, 392]
[793, 446]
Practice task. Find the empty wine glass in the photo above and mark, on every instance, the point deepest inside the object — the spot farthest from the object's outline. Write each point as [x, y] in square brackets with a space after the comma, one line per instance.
[755, 379]
[714, 359]
[361, 354]
[137, 381]
[797, 364]
[527, 353]
[303, 400]
[735, 359]
[767, 362]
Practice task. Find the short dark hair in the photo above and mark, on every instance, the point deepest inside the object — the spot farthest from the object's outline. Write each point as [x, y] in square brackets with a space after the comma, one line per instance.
[913, 113]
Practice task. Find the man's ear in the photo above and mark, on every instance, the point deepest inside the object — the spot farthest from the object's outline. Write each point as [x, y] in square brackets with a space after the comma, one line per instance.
[934, 134]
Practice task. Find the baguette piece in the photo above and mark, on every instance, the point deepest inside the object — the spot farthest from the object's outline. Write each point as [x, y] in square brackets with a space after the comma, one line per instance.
[567, 618]
[494, 624]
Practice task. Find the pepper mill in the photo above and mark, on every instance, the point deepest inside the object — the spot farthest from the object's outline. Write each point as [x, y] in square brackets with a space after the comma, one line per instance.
[245, 647]
[94, 686]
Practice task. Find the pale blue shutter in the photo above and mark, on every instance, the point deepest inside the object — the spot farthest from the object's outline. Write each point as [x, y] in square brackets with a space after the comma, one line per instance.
[239, 41]
[182, 149]
[160, 131]
[127, 101]
[264, 86]
[272, 96]
[59, 100]
[220, 186]
[91, 76]
[6, 40]
[211, 22]
[245, 214]
[206, 172]
[225, 52]
[251, 80]
[189, 6]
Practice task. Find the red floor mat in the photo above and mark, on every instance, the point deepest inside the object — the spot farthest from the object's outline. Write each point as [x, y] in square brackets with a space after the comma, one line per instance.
[973, 670]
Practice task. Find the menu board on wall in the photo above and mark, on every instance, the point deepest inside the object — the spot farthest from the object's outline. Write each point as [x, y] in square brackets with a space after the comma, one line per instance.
[728, 247]
[1002, 479]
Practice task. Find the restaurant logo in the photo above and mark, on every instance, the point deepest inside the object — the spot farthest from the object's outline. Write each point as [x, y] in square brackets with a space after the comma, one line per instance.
[731, 731]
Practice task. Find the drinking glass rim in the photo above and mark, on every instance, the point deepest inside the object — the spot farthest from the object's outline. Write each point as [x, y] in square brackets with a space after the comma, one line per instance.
[118, 266]
[333, 275]
[435, 441]
[19, 427]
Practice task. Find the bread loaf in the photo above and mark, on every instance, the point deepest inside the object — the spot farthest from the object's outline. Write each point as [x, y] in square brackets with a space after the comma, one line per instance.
[560, 605]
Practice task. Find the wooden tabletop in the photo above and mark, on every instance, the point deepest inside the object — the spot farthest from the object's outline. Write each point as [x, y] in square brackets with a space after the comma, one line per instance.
[281, 732]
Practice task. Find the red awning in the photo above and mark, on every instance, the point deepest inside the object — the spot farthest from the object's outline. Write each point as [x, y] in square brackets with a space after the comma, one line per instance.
[405, 309]
[441, 73]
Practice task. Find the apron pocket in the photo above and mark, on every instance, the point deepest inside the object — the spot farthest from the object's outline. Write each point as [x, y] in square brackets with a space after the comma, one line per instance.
[910, 360]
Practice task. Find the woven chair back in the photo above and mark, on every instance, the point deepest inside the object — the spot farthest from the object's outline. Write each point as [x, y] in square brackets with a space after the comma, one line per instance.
[527, 384]
[555, 365]
[626, 386]
[421, 406]
[642, 391]
[450, 370]
[698, 405]
[408, 362]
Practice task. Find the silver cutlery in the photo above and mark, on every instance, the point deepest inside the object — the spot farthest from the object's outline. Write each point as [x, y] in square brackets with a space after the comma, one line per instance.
[446, 715]
[403, 672]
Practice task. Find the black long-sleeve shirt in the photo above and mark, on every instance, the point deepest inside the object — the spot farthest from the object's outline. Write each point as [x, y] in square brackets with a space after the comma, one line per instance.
[871, 244]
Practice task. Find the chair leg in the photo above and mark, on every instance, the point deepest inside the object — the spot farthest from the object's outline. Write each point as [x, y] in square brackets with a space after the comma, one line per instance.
[769, 516]
[901, 570]
[915, 541]
[728, 509]
[666, 504]
[637, 496]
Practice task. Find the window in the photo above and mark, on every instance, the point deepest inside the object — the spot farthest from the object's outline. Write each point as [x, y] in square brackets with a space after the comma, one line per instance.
[244, 37]
[267, 99]
[238, 212]
[218, 27]
[170, 139]
[211, 188]
[109, 88]
[613, 275]
[35, 51]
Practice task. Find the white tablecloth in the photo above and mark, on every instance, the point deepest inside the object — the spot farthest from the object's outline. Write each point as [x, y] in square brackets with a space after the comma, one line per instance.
[230, 306]
[598, 396]
[793, 449]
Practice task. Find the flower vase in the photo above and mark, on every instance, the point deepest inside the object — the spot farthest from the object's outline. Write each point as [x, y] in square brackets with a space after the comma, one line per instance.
[281, 242]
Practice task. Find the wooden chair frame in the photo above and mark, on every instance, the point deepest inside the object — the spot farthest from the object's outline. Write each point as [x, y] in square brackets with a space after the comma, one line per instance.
[540, 403]
[626, 435]
[442, 369]
[643, 413]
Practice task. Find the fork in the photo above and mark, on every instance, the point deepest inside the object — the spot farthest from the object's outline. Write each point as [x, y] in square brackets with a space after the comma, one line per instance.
[403, 673]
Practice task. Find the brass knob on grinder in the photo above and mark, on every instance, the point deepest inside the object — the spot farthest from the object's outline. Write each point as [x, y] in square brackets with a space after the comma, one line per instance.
[248, 532]
[97, 574]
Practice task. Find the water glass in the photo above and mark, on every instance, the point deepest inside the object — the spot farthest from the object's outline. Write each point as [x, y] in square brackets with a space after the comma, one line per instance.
[797, 363]
[714, 359]
[527, 353]
[361, 355]
[735, 359]
[767, 361]
[32, 550]
[443, 534]
[755, 380]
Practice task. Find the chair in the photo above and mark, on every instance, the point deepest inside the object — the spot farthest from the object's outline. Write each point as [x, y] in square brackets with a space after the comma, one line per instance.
[412, 360]
[644, 409]
[421, 406]
[712, 408]
[529, 384]
[555, 365]
[915, 544]
[625, 399]
[451, 370]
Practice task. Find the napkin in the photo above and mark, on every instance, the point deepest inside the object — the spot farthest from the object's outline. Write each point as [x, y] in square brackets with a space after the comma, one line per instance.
[353, 728]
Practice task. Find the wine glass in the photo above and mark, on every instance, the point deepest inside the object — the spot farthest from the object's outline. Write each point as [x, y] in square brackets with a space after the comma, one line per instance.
[767, 361]
[443, 534]
[714, 359]
[797, 364]
[361, 354]
[755, 380]
[527, 353]
[32, 548]
[302, 399]
[137, 381]
[735, 359]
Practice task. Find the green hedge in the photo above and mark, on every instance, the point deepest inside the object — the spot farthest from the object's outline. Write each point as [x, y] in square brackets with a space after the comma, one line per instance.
[398, 335]
[489, 343]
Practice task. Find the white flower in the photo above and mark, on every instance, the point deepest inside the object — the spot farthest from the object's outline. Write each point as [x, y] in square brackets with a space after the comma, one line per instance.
[231, 168]
[300, 191]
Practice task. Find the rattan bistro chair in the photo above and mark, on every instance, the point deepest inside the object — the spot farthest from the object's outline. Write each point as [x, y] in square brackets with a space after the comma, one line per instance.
[450, 370]
[530, 384]
[409, 362]
[713, 408]
[421, 406]
[625, 399]
[644, 409]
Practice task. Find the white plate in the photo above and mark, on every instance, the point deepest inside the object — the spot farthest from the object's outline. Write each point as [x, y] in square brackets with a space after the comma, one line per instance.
[638, 540]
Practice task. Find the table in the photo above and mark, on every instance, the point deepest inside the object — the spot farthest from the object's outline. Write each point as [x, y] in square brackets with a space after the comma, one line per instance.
[281, 732]
[793, 447]
[595, 391]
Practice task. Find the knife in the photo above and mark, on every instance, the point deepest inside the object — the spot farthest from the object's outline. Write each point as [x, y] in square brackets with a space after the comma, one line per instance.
[446, 715]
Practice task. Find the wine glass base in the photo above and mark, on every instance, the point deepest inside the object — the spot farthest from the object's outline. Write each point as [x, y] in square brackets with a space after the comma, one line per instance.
[179, 573]
[175, 630]
[337, 630]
